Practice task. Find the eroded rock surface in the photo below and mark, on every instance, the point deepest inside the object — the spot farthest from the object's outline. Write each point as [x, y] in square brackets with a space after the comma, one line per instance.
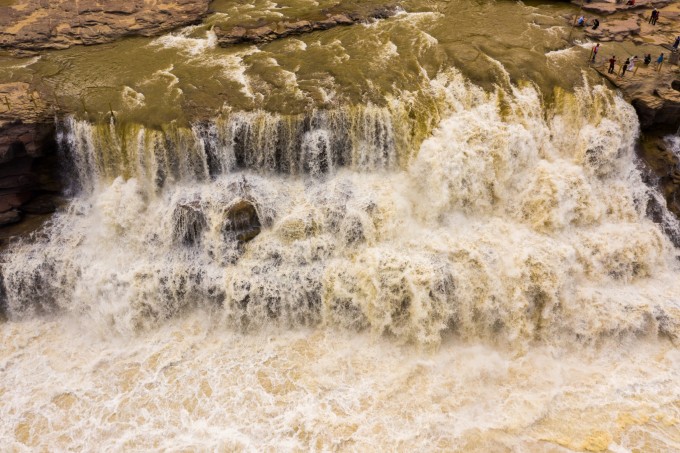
[265, 32]
[32, 25]
[25, 129]
[616, 30]
[606, 7]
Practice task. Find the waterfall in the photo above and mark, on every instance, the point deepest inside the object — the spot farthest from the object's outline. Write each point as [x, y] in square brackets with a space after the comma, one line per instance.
[516, 221]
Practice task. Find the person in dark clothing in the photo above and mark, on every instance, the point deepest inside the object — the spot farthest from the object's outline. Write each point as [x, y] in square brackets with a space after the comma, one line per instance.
[596, 23]
[612, 62]
[655, 16]
[652, 16]
[648, 59]
[624, 67]
[676, 43]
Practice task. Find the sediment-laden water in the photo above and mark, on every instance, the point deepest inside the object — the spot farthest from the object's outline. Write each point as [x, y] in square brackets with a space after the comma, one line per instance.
[459, 263]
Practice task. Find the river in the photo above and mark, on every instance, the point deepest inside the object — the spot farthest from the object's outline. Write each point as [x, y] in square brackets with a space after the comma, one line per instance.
[454, 251]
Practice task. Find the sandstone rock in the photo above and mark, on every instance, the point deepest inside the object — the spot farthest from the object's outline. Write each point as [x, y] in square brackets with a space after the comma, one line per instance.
[651, 94]
[58, 24]
[611, 6]
[616, 30]
[18, 181]
[260, 34]
[267, 32]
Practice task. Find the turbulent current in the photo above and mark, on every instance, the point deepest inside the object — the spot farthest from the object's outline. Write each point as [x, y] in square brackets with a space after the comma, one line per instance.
[357, 278]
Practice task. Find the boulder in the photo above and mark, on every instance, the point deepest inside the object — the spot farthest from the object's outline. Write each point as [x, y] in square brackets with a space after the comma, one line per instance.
[241, 221]
[188, 222]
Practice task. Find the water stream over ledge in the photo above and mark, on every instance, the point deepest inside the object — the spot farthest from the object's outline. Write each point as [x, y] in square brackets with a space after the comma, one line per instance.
[421, 233]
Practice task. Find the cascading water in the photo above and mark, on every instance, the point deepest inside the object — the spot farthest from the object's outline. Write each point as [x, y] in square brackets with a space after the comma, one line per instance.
[507, 224]
[516, 224]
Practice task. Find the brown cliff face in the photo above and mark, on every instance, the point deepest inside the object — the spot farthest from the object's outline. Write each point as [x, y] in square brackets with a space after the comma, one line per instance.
[26, 130]
[32, 25]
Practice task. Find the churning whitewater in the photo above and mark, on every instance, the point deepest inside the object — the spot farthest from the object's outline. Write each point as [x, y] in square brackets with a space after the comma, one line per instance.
[265, 280]
[514, 222]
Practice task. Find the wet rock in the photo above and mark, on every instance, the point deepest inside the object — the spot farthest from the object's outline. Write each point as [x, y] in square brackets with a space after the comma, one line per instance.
[188, 223]
[33, 25]
[651, 94]
[11, 201]
[241, 221]
[262, 33]
[43, 204]
[675, 84]
[297, 226]
[606, 7]
[10, 217]
[615, 30]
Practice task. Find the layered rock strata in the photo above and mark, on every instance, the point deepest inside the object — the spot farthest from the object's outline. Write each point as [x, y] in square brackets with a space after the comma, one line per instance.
[34, 25]
[26, 131]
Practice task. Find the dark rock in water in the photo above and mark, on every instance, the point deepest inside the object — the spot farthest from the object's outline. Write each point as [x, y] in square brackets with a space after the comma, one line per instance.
[262, 33]
[188, 223]
[10, 217]
[43, 204]
[242, 222]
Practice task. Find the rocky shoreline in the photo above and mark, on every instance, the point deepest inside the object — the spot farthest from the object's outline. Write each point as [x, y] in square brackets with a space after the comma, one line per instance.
[655, 94]
[35, 25]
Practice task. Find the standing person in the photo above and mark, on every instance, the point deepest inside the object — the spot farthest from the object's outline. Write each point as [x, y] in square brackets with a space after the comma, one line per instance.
[652, 16]
[624, 67]
[631, 66]
[612, 62]
[656, 16]
[648, 59]
[676, 43]
[594, 52]
[659, 61]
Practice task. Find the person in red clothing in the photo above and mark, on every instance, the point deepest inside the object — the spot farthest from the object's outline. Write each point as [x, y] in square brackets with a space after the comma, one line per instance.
[612, 62]
[594, 52]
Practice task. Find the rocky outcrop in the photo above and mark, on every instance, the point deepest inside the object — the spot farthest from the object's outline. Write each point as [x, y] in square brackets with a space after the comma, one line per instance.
[615, 30]
[606, 7]
[241, 221]
[652, 94]
[265, 32]
[26, 130]
[32, 25]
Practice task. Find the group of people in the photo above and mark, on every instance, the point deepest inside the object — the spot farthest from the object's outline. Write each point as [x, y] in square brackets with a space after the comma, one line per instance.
[583, 22]
[629, 64]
